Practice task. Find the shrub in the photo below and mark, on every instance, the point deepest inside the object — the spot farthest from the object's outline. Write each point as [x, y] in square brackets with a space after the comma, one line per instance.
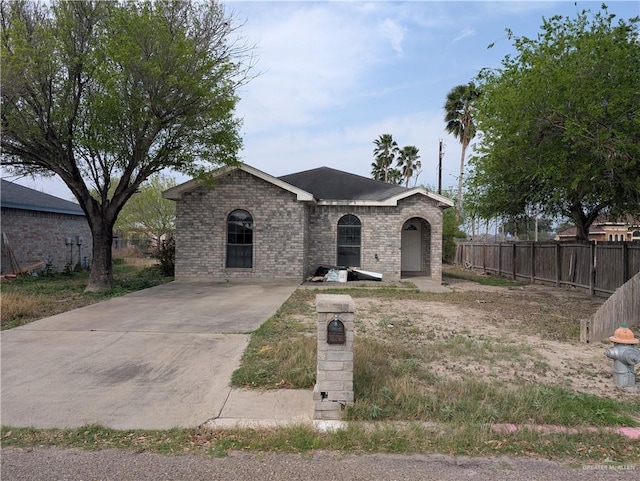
[166, 255]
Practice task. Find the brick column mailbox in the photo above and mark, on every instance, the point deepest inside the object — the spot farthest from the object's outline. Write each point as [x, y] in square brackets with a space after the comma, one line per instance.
[334, 383]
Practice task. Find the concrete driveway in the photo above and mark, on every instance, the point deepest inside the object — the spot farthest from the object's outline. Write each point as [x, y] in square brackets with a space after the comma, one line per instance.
[154, 359]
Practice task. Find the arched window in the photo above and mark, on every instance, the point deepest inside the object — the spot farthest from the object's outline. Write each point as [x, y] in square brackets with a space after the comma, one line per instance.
[616, 237]
[240, 239]
[349, 228]
[610, 237]
[636, 234]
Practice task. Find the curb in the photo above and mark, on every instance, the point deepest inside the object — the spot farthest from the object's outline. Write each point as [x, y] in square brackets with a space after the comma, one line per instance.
[627, 432]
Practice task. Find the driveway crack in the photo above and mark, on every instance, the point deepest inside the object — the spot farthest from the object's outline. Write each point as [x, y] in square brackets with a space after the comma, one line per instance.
[224, 403]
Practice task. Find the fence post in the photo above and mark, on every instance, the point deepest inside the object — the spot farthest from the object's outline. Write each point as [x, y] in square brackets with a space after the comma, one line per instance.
[473, 255]
[592, 266]
[558, 263]
[625, 263]
[484, 258]
[499, 259]
[514, 254]
[533, 262]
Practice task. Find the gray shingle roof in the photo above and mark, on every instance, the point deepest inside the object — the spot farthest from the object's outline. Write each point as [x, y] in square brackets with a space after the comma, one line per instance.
[326, 183]
[15, 196]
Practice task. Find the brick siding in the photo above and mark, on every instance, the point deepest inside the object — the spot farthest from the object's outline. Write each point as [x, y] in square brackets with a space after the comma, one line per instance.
[380, 234]
[40, 236]
[290, 237]
[279, 238]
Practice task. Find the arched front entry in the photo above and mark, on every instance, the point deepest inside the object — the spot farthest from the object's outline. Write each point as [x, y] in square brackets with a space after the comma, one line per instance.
[415, 243]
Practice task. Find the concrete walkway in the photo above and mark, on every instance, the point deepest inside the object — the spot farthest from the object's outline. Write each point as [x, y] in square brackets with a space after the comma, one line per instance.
[155, 359]
[426, 284]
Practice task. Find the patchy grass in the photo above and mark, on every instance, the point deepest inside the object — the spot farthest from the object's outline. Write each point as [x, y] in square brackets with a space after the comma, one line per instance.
[392, 382]
[457, 272]
[396, 375]
[16, 306]
[282, 351]
[357, 438]
[28, 299]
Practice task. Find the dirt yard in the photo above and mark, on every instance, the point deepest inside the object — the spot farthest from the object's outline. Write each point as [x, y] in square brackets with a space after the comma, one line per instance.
[524, 334]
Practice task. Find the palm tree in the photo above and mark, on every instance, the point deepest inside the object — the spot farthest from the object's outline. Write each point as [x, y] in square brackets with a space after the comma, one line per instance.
[459, 122]
[384, 154]
[408, 162]
[377, 171]
[394, 176]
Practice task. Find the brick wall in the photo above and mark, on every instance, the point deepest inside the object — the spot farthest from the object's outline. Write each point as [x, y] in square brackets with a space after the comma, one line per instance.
[292, 238]
[40, 236]
[279, 236]
[380, 234]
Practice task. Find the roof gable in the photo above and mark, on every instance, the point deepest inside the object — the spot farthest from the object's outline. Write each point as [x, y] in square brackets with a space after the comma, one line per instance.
[175, 193]
[15, 196]
[325, 186]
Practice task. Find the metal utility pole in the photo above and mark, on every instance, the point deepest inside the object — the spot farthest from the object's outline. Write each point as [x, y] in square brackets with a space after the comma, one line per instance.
[440, 157]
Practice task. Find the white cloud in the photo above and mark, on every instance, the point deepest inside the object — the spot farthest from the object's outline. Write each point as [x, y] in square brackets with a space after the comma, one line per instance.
[466, 32]
[311, 59]
[395, 32]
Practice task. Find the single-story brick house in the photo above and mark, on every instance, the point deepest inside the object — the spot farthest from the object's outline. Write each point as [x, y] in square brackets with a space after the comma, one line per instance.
[39, 228]
[252, 225]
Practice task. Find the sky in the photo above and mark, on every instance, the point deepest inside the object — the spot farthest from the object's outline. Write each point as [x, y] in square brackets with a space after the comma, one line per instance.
[332, 76]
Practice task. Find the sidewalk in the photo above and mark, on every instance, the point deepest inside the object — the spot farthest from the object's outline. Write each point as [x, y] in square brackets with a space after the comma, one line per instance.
[253, 408]
[426, 284]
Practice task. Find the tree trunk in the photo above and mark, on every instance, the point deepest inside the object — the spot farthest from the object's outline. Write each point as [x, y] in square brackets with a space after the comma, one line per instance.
[459, 204]
[101, 276]
[583, 221]
[582, 230]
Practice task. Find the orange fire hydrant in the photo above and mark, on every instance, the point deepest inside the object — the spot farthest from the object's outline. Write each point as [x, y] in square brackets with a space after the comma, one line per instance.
[624, 356]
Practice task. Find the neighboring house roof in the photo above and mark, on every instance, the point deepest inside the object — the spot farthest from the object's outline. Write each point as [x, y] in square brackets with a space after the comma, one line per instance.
[573, 232]
[15, 196]
[327, 186]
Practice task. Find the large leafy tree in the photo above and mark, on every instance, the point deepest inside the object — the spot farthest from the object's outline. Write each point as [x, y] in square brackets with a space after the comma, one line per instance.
[147, 213]
[459, 120]
[560, 123]
[94, 91]
[451, 227]
[528, 228]
[408, 162]
[385, 152]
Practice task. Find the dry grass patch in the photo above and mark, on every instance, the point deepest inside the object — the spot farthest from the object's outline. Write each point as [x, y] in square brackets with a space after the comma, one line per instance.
[497, 354]
[27, 299]
[15, 307]
[282, 352]
[513, 336]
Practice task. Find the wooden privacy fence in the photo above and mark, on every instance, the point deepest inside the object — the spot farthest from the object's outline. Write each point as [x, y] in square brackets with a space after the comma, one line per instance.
[599, 268]
[622, 306]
